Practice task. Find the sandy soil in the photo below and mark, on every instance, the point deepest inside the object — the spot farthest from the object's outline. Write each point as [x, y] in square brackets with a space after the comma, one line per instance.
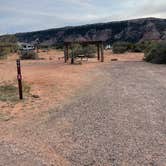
[22, 136]
[124, 57]
[50, 79]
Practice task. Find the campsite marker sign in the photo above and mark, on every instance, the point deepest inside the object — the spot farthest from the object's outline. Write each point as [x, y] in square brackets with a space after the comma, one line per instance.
[19, 78]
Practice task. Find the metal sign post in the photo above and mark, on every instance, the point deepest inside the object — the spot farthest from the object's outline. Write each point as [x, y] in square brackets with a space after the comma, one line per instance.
[19, 78]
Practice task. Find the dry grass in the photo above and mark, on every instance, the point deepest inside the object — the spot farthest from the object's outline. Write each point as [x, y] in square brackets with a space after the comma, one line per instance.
[4, 117]
[9, 92]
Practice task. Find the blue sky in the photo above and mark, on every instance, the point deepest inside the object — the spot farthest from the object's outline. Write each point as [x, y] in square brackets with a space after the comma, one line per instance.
[31, 15]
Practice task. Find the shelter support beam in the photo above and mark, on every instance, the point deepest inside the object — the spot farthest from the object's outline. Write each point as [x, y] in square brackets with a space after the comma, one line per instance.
[66, 53]
[102, 52]
[72, 55]
[98, 52]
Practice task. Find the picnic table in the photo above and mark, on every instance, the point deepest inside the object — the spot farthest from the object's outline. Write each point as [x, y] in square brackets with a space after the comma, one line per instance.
[82, 57]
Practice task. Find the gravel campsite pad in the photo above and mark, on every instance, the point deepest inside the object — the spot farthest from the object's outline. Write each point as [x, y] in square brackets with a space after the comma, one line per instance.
[117, 120]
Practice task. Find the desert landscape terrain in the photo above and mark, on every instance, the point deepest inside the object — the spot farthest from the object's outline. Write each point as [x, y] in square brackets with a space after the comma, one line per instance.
[82, 83]
[50, 80]
[110, 113]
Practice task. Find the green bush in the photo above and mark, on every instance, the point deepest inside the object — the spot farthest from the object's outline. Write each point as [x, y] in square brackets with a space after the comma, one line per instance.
[76, 50]
[89, 51]
[8, 44]
[86, 50]
[25, 55]
[2, 54]
[8, 39]
[142, 46]
[138, 47]
[7, 48]
[122, 47]
[156, 53]
[4, 51]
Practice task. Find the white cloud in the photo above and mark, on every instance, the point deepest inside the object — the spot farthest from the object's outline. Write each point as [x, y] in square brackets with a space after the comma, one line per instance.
[27, 15]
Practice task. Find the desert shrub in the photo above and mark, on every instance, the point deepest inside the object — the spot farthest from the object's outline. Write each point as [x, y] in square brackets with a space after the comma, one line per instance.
[143, 46]
[89, 51]
[2, 54]
[122, 47]
[7, 48]
[9, 91]
[138, 47]
[28, 55]
[8, 44]
[42, 46]
[8, 39]
[156, 53]
[59, 46]
[4, 51]
[76, 50]
[86, 50]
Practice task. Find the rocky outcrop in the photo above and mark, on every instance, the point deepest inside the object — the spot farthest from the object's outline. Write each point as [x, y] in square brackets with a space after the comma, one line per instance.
[131, 31]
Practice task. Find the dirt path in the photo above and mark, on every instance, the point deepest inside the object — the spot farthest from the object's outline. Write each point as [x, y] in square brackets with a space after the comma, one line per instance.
[118, 120]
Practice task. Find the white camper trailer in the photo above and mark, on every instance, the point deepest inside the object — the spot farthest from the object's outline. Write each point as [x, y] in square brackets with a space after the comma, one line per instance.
[26, 47]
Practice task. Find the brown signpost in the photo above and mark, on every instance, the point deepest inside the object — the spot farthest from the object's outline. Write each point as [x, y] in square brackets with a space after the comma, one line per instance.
[19, 78]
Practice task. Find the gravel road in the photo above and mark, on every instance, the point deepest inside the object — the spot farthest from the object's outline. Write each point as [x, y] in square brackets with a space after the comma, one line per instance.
[119, 120]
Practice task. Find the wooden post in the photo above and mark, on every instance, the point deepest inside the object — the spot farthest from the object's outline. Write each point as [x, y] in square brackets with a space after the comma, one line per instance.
[72, 55]
[98, 52]
[37, 47]
[19, 78]
[102, 52]
[65, 53]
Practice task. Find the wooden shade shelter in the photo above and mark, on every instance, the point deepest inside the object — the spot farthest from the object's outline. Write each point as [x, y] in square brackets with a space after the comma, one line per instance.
[99, 45]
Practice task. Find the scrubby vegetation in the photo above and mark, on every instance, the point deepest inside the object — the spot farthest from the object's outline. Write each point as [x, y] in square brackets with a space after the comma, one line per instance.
[7, 48]
[86, 50]
[8, 45]
[9, 92]
[122, 47]
[25, 55]
[156, 53]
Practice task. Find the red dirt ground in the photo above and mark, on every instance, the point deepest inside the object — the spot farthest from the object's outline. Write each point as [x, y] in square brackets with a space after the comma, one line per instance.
[50, 79]
[54, 82]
